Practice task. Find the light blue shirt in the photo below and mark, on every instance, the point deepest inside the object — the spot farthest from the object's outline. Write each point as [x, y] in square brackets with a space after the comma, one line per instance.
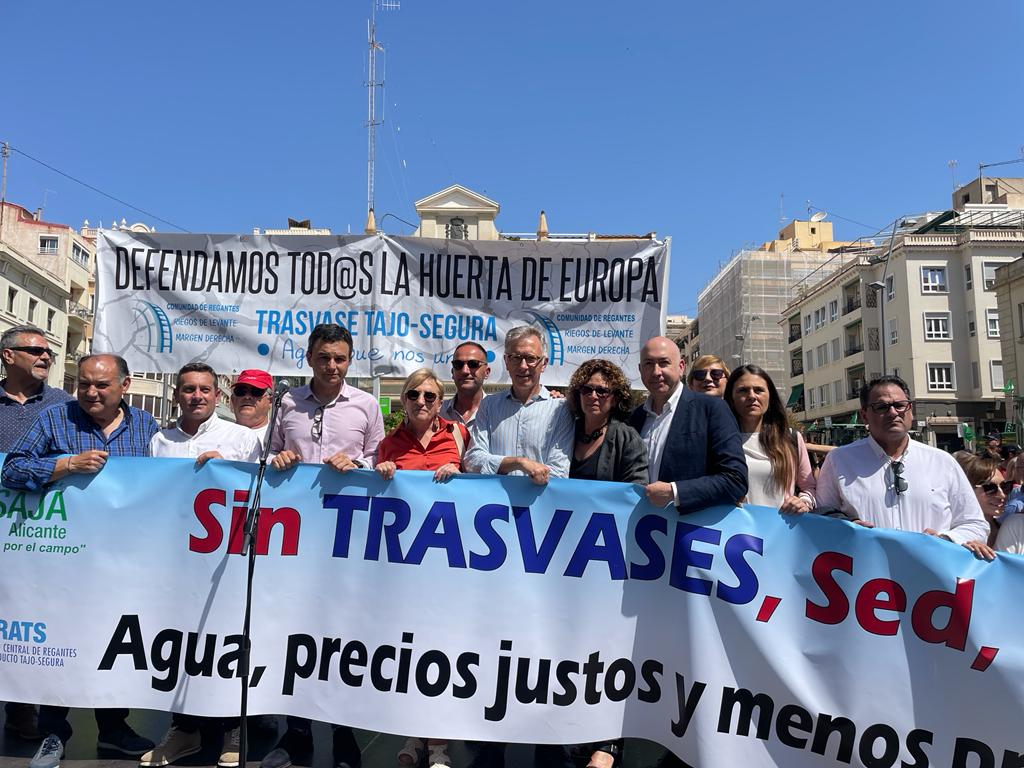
[542, 429]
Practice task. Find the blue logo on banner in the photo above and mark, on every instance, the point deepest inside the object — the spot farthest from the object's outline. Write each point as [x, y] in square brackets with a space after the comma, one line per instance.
[158, 327]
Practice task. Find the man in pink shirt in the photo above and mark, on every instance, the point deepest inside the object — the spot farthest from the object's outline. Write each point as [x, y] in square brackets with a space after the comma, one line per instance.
[332, 423]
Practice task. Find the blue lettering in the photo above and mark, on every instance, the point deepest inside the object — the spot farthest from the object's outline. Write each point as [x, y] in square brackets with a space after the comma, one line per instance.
[537, 560]
[655, 565]
[379, 507]
[600, 526]
[746, 590]
[496, 553]
[683, 557]
[441, 515]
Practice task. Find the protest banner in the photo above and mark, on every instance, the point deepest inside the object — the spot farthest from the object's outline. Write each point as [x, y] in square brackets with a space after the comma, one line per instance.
[238, 302]
[491, 609]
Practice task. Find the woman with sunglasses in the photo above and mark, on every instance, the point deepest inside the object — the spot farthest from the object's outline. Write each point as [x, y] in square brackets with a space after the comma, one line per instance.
[991, 491]
[708, 375]
[423, 441]
[606, 448]
[777, 462]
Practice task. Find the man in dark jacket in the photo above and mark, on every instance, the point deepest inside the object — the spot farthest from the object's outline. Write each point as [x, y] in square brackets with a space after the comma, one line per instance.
[693, 442]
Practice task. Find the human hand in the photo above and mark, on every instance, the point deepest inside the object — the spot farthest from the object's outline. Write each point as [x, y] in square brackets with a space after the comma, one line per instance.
[445, 472]
[659, 493]
[537, 472]
[87, 462]
[795, 505]
[285, 460]
[386, 469]
[340, 462]
[202, 458]
[980, 549]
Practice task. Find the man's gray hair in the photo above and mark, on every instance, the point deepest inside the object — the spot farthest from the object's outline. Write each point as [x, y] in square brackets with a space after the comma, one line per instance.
[10, 337]
[520, 332]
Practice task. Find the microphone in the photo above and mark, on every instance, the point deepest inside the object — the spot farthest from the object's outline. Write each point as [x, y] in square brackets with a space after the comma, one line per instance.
[281, 388]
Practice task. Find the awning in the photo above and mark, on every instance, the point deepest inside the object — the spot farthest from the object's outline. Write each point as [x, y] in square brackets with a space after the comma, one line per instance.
[795, 395]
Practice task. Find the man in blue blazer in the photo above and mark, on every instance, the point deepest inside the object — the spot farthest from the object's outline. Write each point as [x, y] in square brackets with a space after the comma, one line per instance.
[693, 442]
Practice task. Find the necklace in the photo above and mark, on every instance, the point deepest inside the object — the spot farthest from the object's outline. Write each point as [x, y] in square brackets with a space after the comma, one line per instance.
[583, 437]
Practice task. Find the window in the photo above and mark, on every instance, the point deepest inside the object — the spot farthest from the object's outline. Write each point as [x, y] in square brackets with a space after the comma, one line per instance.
[823, 394]
[989, 271]
[809, 362]
[47, 244]
[890, 288]
[995, 369]
[837, 348]
[1020, 319]
[933, 280]
[936, 326]
[821, 355]
[833, 310]
[807, 324]
[50, 314]
[819, 318]
[837, 391]
[32, 304]
[12, 296]
[975, 374]
[813, 396]
[893, 335]
[970, 324]
[992, 323]
[79, 254]
[940, 377]
[968, 283]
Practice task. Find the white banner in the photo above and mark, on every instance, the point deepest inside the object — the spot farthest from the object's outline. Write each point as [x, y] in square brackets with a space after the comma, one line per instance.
[489, 609]
[237, 301]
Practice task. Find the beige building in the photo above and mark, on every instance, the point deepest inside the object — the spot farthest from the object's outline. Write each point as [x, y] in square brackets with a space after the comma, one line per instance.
[740, 308]
[45, 277]
[1010, 298]
[927, 313]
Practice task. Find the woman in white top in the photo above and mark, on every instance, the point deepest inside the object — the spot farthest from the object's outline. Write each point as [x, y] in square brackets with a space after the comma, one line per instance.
[778, 467]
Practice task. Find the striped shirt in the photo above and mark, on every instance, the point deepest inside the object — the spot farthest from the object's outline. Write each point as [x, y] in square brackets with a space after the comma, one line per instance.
[542, 430]
[66, 430]
[16, 417]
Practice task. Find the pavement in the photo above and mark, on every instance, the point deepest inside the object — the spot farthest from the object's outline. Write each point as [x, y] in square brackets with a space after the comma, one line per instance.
[379, 749]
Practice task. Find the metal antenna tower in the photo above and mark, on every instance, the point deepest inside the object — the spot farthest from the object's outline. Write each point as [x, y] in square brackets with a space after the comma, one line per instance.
[372, 84]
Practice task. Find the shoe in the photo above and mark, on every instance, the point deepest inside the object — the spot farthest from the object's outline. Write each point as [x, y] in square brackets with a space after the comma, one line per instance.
[229, 752]
[264, 724]
[175, 745]
[294, 746]
[437, 755]
[23, 721]
[49, 753]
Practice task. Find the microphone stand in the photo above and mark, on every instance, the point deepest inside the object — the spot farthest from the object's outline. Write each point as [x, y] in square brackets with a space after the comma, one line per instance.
[249, 550]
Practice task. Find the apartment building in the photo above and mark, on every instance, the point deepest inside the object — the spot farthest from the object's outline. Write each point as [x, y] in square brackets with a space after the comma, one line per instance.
[926, 311]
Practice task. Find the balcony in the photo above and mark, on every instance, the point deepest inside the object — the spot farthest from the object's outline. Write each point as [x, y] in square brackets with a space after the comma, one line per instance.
[853, 395]
[853, 348]
[794, 333]
[851, 304]
[79, 310]
[796, 368]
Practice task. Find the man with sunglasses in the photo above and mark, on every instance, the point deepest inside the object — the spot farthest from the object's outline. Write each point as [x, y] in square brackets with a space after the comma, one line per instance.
[327, 422]
[24, 393]
[251, 400]
[890, 481]
[469, 371]
[523, 431]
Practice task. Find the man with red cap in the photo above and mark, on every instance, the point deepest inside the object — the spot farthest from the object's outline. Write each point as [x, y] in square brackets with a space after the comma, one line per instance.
[250, 400]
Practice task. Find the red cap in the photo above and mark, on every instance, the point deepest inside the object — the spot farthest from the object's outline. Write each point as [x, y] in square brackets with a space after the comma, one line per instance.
[255, 378]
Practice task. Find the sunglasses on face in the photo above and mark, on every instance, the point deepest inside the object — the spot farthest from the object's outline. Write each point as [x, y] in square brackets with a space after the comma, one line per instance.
[601, 392]
[413, 395]
[244, 390]
[458, 365]
[37, 351]
[901, 406]
[715, 374]
[992, 488]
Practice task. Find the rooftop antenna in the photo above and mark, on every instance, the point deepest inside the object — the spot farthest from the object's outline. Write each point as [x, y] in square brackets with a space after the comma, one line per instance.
[819, 216]
[782, 208]
[372, 84]
[952, 172]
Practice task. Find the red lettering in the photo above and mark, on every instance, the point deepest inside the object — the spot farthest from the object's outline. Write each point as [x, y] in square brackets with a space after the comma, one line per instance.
[290, 522]
[214, 533]
[954, 634]
[837, 607]
[868, 602]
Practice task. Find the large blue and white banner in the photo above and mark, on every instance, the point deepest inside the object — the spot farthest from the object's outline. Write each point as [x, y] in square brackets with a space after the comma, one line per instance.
[250, 301]
[491, 609]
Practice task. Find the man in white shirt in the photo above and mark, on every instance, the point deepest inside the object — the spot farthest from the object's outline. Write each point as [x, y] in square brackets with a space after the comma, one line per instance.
[251, 400]
[891, 481]
[201, 435]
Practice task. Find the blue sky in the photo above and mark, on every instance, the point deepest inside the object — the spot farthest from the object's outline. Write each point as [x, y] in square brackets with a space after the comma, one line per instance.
[687, 119]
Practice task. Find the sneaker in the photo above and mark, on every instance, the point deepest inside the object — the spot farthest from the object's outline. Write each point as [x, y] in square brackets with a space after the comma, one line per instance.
[49, 753]
[229, 752]
[437, 755]
[23, 721]
[175, 745]
[294, 746]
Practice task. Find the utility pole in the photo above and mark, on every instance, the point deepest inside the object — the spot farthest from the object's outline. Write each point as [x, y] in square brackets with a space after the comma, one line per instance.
[372, 84]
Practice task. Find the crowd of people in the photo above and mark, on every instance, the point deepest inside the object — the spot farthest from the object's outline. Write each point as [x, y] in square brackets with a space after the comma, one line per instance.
[701, 438]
